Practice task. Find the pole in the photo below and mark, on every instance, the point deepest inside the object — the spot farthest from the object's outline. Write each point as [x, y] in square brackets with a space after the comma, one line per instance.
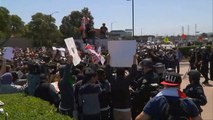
[111, 26]
[133, 25]
[212, 22]
[212, 15]
[182, 30]
[133, 18]
[188, 30]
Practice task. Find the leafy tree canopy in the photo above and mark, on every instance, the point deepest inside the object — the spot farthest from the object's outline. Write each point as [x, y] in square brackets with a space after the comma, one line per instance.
[10, 25]
[42, 30]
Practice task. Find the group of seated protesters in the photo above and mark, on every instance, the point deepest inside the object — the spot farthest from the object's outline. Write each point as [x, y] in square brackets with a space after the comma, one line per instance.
[87, 91]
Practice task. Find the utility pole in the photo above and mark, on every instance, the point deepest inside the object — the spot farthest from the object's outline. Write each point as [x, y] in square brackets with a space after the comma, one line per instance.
[188, 30]
[182, 30]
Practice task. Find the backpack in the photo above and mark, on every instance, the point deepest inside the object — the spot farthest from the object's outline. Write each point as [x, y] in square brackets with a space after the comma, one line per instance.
[175, 110]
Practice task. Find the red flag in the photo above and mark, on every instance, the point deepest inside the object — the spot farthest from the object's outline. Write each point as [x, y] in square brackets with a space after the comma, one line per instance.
[88, 46]
[183, 36]
[200, 38]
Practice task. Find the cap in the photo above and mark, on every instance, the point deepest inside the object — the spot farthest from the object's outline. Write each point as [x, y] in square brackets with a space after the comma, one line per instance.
[172, 79]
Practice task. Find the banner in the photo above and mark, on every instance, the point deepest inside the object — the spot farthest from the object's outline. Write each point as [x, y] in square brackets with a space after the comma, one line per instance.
[122, 52]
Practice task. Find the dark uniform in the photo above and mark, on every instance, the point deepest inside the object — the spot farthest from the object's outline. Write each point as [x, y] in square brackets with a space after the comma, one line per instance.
[194, 90]
[146, 87]
[211, 64]
[192, 57]
[204, 64]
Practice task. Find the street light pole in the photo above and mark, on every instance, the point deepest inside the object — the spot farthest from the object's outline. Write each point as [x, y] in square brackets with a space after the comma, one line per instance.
[133, 18]
[212, 15]
[212, 22]
[52, 14]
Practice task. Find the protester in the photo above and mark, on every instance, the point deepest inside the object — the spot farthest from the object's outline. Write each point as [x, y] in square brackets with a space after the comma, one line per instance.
[178, 58]
[46, 91]
[89, 95]
[8, 79]
[66, 105]
[170, 102]
[7, 85]
[103, 31]
[33, 77]
[104, 97]
[120, 93]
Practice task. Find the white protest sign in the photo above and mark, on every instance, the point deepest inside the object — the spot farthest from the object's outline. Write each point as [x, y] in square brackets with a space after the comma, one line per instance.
[44, 49]
[54, 48]
[20, 74]
[121, 53]
[72, 50]
[8, 53]
[62, 50]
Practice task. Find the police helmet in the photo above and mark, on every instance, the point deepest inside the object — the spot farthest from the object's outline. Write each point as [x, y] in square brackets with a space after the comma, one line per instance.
[194, 75]
[147, 62]
[159, 67]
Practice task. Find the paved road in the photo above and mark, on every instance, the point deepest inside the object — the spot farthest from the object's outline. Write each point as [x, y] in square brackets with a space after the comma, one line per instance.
[207, 113]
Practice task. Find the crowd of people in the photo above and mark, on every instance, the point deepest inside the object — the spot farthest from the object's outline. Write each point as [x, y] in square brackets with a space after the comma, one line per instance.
[150, 89]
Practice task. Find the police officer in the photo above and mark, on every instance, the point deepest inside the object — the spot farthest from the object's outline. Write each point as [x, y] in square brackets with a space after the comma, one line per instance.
[204, 64]
[194, 90]
[192, 57]
[147, 85]
[211, 64]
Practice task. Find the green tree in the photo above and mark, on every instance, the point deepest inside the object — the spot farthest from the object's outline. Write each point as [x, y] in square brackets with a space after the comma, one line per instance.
[71, 23]
[17, 25]
[10, 25]
[42, 30]
[4, 23]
